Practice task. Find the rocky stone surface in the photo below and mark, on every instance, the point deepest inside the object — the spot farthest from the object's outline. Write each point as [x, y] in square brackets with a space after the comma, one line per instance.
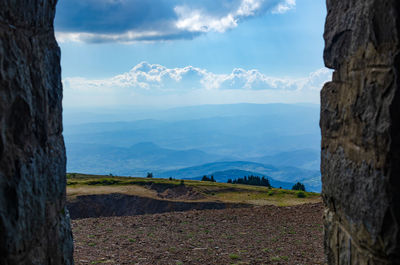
[360, 123]
[34, 223]
[266, 235]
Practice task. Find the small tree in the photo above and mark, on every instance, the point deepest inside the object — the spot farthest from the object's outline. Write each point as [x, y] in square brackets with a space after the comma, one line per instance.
[212, 178]
[229, 181]
[299, 186]
[149, 175]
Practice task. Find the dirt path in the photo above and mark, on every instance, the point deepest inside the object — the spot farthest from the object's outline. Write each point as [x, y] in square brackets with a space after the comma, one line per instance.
[259, 235]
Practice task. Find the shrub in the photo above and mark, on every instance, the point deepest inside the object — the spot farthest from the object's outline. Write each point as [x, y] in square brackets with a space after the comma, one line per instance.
[149, 175]
[103, 182]
[301, 194]
[71, 175]
[69, 183]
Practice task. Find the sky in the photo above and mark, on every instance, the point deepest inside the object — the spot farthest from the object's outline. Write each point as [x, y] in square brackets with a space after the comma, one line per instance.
[190, 52]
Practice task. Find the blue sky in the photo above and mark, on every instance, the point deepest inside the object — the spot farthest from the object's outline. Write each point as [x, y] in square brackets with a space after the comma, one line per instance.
[187, 52]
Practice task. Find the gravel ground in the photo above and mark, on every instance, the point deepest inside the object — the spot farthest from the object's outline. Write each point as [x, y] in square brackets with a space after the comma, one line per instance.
[257, 235]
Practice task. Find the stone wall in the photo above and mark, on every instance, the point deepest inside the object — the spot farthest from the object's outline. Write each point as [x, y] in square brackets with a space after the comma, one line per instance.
[360, 126]
[34, 223]
[360, 123]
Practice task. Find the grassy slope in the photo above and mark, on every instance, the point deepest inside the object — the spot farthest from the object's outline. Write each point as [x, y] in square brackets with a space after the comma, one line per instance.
[81, 184]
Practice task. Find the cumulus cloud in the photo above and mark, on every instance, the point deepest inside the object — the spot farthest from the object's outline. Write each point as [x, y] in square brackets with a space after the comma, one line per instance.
[154, 84]
[146, 76]
[284, 6]
[152, 20]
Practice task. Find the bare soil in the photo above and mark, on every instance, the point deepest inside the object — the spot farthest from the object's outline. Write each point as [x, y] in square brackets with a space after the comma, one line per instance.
[255, 235]
[180, 192]
[116, 204]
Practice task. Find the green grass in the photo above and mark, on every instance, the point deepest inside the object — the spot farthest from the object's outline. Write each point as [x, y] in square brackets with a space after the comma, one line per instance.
[234, 256]
[212, 191]
[301, 194]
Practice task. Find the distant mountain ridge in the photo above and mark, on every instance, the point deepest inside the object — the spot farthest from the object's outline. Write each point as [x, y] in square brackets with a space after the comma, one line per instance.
[223, 170]
[223, 176]
[304, 158]
[280, 141]
[97, 158]
[130, 114]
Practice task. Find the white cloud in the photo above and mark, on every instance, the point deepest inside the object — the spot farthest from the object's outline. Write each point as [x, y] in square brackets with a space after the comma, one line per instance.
[156, 81]
[127, 37]
[284, 6]
[154, 76]
[127, 21]
[199, 20]
[249, 7]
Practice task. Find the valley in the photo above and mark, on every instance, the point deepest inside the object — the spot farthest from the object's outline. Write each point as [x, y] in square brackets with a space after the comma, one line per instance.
[278, 141]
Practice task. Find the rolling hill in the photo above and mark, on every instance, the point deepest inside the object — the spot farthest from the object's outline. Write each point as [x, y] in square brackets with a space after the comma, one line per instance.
[222, 171]
[276, 140]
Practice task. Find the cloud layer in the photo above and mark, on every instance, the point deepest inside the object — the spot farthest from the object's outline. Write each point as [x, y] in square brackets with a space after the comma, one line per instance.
[155, 84]
[146, 76]
[151, 20]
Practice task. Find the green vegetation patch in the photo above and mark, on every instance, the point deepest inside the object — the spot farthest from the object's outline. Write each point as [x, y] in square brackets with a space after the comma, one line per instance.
[234, 256]
[225, 192]
[103, 182]
[301, 194]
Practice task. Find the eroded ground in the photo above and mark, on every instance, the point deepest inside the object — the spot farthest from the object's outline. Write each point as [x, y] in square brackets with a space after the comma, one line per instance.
[256, 235]
[190, 191]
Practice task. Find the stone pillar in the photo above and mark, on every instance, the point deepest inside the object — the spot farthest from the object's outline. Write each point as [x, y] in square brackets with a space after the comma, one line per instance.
[34, 223]
[360, 123]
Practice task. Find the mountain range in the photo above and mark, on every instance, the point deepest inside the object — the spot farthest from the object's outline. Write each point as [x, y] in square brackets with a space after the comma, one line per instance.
[275, 140]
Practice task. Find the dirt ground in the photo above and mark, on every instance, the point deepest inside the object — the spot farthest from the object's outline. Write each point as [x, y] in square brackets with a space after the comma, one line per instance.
[256, 235]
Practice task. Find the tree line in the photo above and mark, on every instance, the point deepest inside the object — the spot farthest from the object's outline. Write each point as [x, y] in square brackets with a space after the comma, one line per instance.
[252, 180]
[205, 178]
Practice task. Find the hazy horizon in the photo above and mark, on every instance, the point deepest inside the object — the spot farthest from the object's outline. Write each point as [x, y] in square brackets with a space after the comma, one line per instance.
[279, 141]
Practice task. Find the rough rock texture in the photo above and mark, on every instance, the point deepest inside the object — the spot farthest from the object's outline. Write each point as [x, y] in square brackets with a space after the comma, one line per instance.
[266, 235]
[360, 123]
[34, 223]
